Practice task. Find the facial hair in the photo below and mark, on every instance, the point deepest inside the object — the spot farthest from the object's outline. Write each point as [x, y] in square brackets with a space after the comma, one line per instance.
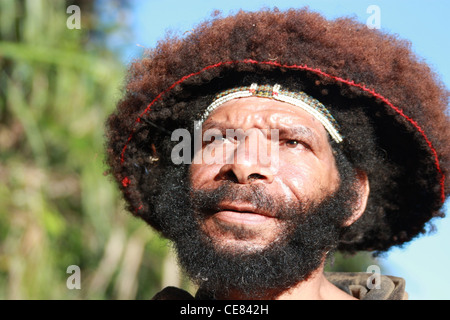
[309, 231]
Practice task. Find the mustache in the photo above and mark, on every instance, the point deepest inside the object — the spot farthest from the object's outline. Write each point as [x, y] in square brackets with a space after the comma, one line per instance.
[207, 201]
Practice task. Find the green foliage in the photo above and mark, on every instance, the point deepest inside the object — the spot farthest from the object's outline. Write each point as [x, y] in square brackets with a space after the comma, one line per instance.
[358, 262]
[57, 207]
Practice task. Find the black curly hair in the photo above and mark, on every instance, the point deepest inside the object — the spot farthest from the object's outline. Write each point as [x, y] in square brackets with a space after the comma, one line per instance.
[391, 107]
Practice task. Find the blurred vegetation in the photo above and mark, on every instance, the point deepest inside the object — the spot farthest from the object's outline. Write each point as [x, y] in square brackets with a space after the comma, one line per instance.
[57, 208]
[57, 86]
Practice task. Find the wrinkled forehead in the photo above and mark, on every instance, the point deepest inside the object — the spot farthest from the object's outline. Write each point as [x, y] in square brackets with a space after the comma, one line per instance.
[262, 113]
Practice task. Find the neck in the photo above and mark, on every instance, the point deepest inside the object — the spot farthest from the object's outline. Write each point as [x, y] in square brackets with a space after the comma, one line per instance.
[316, 287]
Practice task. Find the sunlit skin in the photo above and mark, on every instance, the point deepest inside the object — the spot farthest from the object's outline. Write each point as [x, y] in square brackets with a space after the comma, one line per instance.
[305, 171]
[306, 168]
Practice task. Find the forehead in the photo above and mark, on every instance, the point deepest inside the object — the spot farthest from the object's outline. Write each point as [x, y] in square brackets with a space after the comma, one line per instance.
[255, 112]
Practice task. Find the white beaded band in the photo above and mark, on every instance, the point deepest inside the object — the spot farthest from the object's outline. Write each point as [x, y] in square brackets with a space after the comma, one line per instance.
[299, 99]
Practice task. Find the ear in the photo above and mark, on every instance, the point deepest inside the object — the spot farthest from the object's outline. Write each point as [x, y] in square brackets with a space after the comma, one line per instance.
[363, 190]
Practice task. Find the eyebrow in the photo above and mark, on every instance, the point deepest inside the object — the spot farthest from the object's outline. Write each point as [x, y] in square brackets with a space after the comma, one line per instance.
[294, 131]
[214, 125]
[299, 131]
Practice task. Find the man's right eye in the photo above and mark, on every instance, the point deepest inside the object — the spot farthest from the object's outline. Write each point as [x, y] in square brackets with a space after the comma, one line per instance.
[215, 140]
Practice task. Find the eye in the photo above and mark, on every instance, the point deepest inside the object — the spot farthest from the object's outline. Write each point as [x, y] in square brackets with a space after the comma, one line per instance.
[216, 139]
[292, 143]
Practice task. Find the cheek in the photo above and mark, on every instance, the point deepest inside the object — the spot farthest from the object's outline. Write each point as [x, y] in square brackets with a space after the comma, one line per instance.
[202, 176]
[306, 179]
[295, 181]
[195, 173]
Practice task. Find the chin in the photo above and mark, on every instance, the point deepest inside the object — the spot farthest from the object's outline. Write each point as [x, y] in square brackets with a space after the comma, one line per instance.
[239, 246]
[237, 239]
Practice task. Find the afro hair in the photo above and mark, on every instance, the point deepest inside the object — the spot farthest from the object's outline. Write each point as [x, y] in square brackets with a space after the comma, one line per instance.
[392, 109]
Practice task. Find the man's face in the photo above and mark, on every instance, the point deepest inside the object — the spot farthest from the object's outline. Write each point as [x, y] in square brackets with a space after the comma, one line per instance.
[256, 227]
[301, 170]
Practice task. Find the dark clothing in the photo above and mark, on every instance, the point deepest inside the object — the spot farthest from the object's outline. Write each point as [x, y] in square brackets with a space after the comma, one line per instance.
[355, 284]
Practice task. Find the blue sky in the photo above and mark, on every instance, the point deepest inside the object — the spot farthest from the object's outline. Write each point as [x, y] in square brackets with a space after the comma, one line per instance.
[424, 262]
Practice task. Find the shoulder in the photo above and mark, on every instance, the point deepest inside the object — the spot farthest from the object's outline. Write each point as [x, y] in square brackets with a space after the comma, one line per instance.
[172, 293]
[367, 286]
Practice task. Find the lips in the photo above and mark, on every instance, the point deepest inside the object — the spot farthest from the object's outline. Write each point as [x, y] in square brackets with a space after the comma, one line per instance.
[243, 208]
[242, 214]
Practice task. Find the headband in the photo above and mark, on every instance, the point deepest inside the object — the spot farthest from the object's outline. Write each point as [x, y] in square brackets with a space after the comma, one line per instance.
[298, 99]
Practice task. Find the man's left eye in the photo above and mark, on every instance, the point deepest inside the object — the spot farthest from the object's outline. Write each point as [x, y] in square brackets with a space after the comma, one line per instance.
[292, 143]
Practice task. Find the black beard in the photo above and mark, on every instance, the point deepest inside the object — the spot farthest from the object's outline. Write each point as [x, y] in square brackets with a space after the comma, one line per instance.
[310, 231]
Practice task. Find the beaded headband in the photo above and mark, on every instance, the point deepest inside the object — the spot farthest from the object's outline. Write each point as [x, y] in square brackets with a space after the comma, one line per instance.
[299, 99]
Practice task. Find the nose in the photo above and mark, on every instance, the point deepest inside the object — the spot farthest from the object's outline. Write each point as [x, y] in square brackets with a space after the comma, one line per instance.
[246, 167]
[245, 173]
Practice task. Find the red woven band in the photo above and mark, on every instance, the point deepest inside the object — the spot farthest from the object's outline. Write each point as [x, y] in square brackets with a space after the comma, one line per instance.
[351, 83]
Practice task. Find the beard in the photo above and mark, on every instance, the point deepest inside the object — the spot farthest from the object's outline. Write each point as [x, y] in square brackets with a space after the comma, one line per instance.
[307, 231]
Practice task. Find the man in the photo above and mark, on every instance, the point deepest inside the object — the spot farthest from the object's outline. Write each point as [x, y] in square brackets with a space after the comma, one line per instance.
[315, 136]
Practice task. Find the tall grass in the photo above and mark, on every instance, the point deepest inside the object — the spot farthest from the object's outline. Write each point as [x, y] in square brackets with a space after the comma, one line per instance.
[56, 207]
